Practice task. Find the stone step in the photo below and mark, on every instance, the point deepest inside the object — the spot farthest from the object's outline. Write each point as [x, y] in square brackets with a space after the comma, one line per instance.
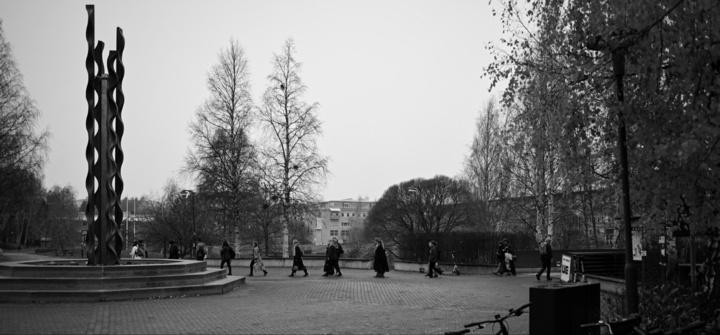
[70, 268]
[219, 286]
[95, 283]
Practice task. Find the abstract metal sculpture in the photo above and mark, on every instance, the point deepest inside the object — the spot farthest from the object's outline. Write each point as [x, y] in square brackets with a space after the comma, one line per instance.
[103, 212]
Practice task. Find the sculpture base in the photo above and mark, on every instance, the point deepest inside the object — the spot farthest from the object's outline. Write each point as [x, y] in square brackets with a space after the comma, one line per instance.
[64, 280]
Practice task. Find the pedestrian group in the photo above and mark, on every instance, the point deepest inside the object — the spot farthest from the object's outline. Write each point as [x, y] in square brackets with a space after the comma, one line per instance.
[506, 258]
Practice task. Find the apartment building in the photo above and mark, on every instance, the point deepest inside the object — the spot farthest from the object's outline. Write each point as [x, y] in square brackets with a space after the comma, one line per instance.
[340, 218]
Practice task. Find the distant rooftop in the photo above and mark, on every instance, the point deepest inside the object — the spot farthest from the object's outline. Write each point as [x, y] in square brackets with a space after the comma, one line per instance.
[350, 199]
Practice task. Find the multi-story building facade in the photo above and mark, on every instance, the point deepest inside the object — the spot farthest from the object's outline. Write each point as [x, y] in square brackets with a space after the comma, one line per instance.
[340, 218]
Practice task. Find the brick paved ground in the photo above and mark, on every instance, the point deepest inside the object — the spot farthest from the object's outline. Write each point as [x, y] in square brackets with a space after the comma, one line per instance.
[357, 303]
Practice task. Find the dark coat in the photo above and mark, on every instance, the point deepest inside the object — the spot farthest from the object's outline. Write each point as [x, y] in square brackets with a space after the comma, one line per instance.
[173, 252]
[433, 254]
[297, 258]
[380, 263]
[333, 252]
[226, 253]
[500, 254]
[548, 251]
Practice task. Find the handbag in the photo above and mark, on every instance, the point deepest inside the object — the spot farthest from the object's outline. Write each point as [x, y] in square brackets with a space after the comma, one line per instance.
[328, 268]
[259, 266]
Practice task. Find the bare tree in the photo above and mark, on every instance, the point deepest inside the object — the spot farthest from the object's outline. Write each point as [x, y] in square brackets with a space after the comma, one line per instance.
[531, 165]
[266, 219]
[59, 217]
[291, 163]
[223, 156]
[22, 150]
[483, 168]
[178, 216]
[418, 207]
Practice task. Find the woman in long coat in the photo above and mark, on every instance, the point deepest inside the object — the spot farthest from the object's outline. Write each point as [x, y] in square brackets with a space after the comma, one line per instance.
[297, 260]
[257, 261]
[380, 264]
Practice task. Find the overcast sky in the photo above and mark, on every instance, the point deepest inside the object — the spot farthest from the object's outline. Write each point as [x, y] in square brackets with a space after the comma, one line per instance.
[398, 82]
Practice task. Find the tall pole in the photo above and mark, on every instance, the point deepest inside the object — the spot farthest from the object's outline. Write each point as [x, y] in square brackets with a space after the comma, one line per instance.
[193, 218]
[631, 291]
[103, 162]
[127, 223]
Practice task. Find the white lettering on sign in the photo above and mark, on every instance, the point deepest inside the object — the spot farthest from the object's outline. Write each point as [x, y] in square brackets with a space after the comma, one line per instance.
[565, 268]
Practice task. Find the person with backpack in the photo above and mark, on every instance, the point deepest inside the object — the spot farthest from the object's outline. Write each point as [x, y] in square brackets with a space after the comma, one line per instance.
[201, 253]
[226, 255]
[297, 260]
[546, 258]
[173, 251]
[257, 261]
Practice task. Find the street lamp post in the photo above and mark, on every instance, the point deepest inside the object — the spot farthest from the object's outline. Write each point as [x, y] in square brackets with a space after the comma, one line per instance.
[618, 49]
[191, 194]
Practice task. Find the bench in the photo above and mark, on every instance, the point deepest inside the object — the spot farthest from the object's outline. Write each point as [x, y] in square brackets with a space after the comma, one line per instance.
[600, 263]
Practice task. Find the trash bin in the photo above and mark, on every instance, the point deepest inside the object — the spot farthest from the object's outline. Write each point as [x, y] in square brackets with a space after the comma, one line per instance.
[562, 308]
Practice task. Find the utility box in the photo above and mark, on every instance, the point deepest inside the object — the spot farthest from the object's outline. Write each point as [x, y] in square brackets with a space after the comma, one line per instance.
[562, 308]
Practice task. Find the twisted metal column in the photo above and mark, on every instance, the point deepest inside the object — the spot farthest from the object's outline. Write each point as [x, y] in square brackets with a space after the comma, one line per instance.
[105, 200]
[90, 126]
[120, 130]
[114, 211]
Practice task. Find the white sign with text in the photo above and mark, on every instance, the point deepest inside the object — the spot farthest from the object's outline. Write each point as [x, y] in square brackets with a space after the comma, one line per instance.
[565, 268]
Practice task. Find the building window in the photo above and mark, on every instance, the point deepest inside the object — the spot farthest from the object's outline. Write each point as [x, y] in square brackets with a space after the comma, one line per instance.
[346, 205]
[333, 233]
[364, 214]
[345, 234]
[346, 224]
[353, 214]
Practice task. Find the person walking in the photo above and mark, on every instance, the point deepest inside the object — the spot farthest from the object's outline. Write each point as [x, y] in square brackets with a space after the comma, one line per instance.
[546, 258]
[135, 251]
[201, 253]
[432, 260]
[510, 258]
[327, 268]
[380, 263]
[173, 251]
[226, 256]
[257, 261]
[297, 260]
[500, 256]
[334, 250]
[142, 250]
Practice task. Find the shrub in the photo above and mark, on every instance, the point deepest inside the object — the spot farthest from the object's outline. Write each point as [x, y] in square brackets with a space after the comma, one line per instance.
[670, 306]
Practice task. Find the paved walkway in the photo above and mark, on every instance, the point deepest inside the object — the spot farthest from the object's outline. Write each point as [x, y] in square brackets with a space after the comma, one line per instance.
[356, 303]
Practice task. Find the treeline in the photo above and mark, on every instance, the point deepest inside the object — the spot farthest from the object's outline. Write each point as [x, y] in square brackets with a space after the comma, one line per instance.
[620, 96]
[22, 151]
